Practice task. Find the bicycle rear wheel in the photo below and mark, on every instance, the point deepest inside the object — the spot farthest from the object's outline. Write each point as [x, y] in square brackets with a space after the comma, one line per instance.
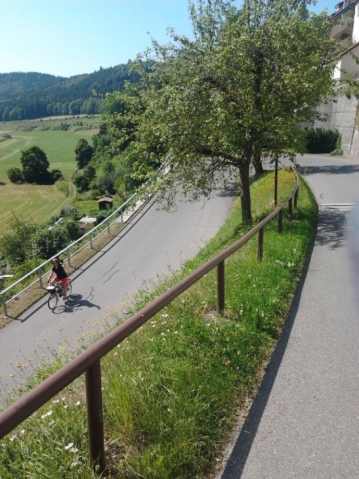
[52, 301]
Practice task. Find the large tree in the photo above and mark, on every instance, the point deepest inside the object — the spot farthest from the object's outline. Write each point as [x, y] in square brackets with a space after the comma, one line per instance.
[35, 165]
[83, 153]
[240, 86]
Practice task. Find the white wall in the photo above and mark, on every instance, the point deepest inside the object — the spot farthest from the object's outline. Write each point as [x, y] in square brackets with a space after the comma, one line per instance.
[355, 35]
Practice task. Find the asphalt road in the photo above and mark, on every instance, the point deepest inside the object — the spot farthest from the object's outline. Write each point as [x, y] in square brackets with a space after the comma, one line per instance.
[304, 423]
[157, 244]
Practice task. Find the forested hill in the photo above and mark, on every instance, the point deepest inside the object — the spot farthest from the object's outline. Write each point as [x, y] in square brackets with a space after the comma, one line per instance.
[35, 95]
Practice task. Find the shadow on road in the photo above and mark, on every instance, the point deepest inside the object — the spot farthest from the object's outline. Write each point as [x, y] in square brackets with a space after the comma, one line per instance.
[239, 455]
[331, 228]
[329, 169]
[74, 302]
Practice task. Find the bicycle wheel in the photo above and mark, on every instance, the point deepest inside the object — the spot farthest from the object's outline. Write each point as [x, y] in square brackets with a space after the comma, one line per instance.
[52, 301]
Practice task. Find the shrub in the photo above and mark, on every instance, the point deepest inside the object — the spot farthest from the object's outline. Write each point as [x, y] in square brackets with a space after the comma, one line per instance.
[81, 182]
[71, 212]
[56, 175]
[321, 140]
[50, 241]
[15, 175]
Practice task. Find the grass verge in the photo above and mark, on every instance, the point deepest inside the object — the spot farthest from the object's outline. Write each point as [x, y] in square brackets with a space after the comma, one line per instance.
[171, 390]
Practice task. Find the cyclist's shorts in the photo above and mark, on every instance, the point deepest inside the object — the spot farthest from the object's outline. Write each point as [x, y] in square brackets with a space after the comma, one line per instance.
[64, 282]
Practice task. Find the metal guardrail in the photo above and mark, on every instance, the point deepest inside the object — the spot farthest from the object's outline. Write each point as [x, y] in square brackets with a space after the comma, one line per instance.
[89, 362]
[39, 270]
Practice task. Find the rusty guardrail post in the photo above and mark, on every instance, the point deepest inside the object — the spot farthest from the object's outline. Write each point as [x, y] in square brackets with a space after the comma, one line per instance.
[95, 416]
[296, 198]
[276, 181]
[260, 244]
[280, 221]
[220, 288]
[290, 208]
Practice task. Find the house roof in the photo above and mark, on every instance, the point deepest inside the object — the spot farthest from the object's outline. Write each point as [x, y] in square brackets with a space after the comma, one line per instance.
[106, 199]
[345, 8]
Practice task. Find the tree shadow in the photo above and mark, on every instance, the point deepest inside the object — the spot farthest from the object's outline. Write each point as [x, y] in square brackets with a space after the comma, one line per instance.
[331, 228]
[75, 302]
[329, 169]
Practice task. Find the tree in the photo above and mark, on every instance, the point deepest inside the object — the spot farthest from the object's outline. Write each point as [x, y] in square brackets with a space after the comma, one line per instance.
[240, 87]
[15, 175]
[83, 152]
[35, 165]
[16, 243]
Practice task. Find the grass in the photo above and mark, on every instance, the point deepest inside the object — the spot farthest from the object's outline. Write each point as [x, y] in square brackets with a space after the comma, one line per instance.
[172, 389]
[35, 202]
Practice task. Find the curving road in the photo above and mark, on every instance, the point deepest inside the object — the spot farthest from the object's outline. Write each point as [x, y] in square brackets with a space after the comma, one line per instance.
[304, 423]
[157, 244]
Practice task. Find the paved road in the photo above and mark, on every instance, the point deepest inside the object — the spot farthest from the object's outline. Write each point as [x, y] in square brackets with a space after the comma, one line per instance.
[158, 244]
[305, 421]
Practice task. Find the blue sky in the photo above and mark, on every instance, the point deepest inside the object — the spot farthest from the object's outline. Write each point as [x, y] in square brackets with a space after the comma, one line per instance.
[67, 37]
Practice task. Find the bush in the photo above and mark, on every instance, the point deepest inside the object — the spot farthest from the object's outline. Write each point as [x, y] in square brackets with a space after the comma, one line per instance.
[56, 175]
[72, 229]
[321, 140]
[51, 241]
[81, 182]
[15, 175]
[71, 212]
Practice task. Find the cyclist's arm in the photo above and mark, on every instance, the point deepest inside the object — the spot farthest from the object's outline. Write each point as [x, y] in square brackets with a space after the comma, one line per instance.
[52, 277]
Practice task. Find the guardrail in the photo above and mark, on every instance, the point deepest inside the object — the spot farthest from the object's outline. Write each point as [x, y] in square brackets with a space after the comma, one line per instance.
[89, 362]
[85, 240]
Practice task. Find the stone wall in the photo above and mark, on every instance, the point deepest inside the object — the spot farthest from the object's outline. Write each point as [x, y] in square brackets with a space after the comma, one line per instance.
[341, 115]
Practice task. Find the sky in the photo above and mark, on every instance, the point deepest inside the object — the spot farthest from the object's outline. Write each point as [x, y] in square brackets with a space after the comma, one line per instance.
[68, 37]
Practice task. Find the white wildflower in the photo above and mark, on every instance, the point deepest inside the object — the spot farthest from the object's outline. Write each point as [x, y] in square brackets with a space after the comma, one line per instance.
[47, 414]
[69, 446]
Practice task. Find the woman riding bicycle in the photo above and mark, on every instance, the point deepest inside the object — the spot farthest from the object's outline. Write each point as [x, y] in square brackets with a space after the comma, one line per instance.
[59, 276]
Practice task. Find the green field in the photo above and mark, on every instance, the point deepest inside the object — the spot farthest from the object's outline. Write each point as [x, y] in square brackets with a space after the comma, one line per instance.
[35, 202]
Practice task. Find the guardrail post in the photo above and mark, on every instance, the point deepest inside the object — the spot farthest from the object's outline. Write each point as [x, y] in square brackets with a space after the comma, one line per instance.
[276, 181]
[260, 244]
[220, 288]
[290, 208]
[95, 416]
[69, 259]
[91, 242]
[5, 309]
[296, 198]
[40, 279]
[280, 221]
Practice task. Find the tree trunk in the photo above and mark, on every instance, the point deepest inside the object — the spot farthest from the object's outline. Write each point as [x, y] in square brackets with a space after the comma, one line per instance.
[257, 163]
[245, 194]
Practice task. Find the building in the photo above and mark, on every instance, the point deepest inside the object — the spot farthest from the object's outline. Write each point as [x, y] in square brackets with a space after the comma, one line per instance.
[342, 113]
[105, 203]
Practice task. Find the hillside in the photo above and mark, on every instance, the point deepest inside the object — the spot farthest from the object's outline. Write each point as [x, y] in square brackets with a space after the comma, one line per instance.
[35, 95]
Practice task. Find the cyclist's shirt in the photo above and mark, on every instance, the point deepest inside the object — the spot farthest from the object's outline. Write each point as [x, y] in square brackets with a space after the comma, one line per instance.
[59, 271]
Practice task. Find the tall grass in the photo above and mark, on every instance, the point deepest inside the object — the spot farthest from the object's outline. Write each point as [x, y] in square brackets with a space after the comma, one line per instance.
[171, 390]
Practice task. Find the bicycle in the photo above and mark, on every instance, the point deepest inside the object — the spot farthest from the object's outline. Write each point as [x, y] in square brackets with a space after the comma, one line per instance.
[56, 291]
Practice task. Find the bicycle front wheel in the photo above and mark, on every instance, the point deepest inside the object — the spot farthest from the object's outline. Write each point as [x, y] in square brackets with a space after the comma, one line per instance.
[52, 301]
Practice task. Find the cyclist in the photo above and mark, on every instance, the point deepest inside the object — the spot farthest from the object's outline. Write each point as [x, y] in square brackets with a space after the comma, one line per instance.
[59, 276]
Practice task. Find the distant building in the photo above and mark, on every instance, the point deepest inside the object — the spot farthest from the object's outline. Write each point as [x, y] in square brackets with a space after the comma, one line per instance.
[86, 223]
[342, 113]
[105, 203]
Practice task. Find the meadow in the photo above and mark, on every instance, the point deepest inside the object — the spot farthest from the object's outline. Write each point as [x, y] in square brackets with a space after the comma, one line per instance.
[38, 202]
